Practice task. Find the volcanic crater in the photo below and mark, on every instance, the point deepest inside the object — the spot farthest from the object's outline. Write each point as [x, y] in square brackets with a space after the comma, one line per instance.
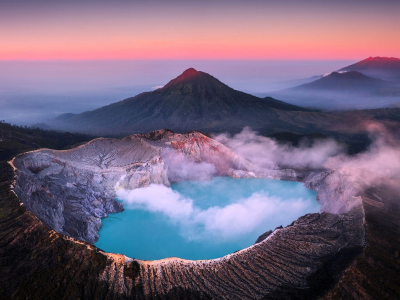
[71, 190]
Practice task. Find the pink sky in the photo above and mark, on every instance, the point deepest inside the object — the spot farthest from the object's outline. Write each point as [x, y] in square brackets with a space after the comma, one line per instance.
[212, 30]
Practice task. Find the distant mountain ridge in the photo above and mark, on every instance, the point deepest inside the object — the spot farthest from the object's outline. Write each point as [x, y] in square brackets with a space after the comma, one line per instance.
[379, 67]
[197, 101]
[192, 101]
[345, 81]
[368, 84]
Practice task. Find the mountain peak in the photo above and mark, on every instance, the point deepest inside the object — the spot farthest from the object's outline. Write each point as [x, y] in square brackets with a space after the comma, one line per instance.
[374, 62]
[191, 75]
[387, 68]
[189, 72]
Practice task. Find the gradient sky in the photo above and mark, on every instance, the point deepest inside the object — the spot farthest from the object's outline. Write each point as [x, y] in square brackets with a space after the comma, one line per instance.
[128, 29]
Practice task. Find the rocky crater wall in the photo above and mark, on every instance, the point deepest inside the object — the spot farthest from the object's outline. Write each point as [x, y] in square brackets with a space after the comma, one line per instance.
[70, 191]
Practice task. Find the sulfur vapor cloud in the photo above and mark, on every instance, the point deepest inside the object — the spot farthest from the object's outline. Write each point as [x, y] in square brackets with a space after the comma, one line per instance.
[349, 175]
[181, 167]
[381, 160]
[268, 153]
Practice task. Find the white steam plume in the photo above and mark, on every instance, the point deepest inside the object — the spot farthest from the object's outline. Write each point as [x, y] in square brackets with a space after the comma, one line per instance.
[380, 164]
[266, 152]
[181, 167]
[381, 160]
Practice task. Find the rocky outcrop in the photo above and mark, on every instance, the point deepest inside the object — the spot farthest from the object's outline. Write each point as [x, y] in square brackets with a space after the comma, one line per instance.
[263, 236]
[71, 190]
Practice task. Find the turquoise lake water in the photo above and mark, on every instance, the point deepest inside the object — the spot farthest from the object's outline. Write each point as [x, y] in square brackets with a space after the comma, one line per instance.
[202, 219]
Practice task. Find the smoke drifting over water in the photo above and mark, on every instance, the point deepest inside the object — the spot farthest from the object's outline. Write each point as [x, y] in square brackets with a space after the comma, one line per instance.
[222, 222]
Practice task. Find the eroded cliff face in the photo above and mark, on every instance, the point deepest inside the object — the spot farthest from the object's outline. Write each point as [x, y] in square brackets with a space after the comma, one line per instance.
[70, 191]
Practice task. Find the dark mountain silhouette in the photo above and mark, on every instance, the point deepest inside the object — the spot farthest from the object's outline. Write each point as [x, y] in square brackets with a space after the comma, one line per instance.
[387, 68]
[197, 101]
[192, 101]
[346, 81]
[343, 90]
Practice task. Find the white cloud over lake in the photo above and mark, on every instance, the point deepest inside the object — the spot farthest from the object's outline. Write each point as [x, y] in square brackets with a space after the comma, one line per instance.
[235, 219]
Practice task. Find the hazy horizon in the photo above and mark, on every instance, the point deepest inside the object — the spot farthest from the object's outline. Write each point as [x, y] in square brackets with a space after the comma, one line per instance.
[34, 91]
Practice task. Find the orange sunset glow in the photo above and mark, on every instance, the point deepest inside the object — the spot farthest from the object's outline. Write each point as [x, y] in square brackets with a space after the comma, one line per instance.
[213, 31]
